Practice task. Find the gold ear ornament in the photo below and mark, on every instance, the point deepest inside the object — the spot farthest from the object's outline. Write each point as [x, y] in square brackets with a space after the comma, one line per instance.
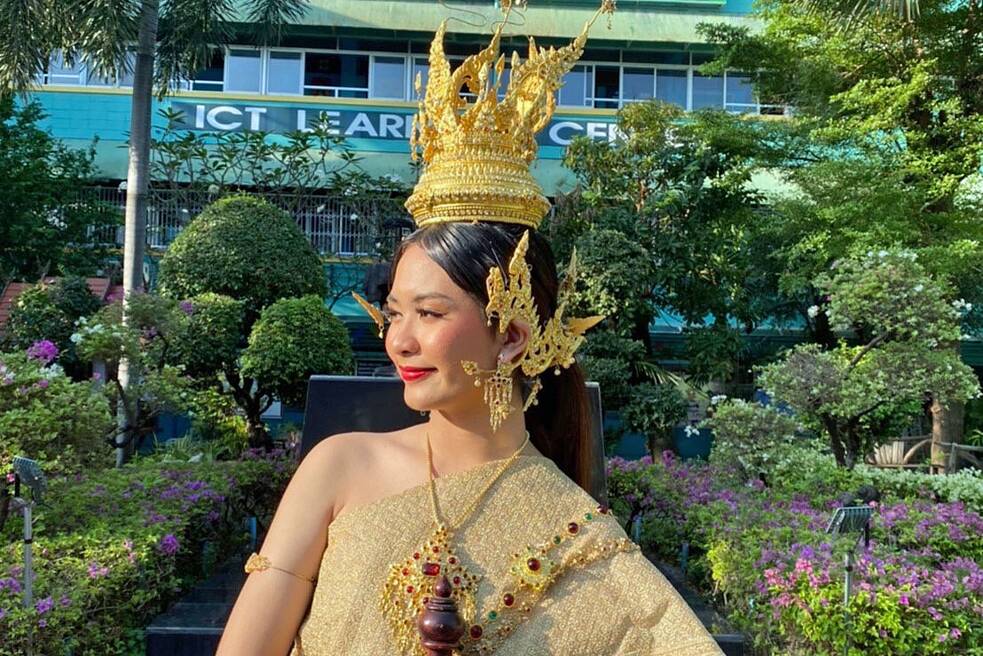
[373, 312]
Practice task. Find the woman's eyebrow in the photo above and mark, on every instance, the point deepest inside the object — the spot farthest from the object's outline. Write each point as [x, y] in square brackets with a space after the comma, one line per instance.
[422, 297]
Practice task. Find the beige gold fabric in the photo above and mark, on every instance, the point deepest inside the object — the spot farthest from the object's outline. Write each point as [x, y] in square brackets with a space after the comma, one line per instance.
[617, 605]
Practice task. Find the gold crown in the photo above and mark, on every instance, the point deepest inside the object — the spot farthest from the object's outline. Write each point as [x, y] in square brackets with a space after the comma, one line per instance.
[476, 155]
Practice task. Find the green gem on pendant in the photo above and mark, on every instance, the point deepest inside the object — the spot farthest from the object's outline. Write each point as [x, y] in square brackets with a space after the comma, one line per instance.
[492, 615]
[557, 539]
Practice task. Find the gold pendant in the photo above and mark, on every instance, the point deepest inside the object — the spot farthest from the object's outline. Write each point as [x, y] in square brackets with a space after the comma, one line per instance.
[410, 584]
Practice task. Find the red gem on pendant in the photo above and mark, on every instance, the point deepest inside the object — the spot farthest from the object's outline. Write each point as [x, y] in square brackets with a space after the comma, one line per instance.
[416, 555]
[426, 599]
[406, 572]
[457, 580]
[452, 560]
[409, 589]
[573, 527]
[533, 564]
[431, 569]
[476, 631]
[508, 599]
[436, 549]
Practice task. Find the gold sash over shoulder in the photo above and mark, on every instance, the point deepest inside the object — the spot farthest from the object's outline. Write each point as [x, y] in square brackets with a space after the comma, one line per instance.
[600, 596]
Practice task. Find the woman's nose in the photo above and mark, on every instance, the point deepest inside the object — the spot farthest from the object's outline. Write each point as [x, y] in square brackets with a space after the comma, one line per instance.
[402, 340]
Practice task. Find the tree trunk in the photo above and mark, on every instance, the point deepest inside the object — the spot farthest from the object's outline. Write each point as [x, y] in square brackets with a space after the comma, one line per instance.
[835, 442]
[137, 180]
[947, 426]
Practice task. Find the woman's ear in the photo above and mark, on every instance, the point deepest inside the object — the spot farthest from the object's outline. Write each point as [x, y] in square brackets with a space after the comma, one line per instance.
[515, 340]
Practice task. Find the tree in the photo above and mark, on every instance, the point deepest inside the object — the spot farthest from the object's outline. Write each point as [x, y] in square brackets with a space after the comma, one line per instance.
[859, 393]
[669, 216]
[173, 40]
[889, 108]
[46, 223]
[240, 268]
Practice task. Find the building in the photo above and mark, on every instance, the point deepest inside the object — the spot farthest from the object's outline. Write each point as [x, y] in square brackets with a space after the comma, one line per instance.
[355, 62]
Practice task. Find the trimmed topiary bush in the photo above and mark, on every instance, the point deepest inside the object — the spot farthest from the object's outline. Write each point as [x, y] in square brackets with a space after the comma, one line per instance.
[245, 248]
[294, 339]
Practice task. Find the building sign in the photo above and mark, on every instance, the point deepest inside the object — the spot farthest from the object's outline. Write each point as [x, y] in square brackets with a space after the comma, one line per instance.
[387, 125]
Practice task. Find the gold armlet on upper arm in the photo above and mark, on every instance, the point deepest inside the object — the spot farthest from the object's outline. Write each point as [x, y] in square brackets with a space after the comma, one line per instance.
[257, 563]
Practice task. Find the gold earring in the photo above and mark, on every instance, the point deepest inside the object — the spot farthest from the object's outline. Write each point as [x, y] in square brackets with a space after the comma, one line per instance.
[498, 389]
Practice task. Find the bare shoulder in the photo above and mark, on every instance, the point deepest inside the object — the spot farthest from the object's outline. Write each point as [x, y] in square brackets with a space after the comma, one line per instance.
[359, 468]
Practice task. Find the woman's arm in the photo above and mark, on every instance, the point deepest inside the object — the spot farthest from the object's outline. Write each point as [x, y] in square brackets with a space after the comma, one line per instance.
[272, 604]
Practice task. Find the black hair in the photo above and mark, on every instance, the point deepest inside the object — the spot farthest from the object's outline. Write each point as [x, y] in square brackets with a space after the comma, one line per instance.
[559, 424]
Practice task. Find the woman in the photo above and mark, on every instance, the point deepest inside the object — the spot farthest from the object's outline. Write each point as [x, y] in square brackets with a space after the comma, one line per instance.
[484, 495]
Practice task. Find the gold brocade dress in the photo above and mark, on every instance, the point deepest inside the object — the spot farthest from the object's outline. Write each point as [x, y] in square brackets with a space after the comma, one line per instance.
[604, 599]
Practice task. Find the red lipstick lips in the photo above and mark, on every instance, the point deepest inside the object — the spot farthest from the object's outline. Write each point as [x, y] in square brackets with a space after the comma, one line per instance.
[411, 374]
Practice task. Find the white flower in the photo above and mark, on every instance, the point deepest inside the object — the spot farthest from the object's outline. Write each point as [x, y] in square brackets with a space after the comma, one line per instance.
[717, 398]
[813, 311]
[881, 253]
[691, 430]
[75, 338]
[919, 287]
[353, 217]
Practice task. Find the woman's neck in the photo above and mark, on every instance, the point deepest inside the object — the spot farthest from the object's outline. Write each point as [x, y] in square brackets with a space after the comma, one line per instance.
[463, 442]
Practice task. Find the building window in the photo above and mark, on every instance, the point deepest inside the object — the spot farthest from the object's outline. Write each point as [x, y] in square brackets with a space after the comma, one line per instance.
[336, 75]
[245, 71]
[574, 92]
[59, 72]
[122, 78]
[388, 77]
[740, 93]
[708, 91]
[607, 84]
[639, 84]
[670, 86]
[421, 69]
[211, 76]
[285, 73]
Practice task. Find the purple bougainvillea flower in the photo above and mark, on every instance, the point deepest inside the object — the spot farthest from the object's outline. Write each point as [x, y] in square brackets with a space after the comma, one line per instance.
[169, 545]
[44, 605]
[43, 351]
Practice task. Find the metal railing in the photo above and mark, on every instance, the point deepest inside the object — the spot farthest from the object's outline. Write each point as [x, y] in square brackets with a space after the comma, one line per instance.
[335, 225]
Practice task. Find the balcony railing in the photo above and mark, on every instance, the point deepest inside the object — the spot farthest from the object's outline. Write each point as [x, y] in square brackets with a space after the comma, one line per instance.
[335, 225]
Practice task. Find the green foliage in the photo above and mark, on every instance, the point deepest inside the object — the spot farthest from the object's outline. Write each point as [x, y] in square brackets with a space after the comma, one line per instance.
[885, 139]
[49, 311]
[608, 359]
[859, 395]
[47, 417]
[654, 410]
[712, 353]
[43, 208]
[131, 539]
[145, 343]
[749, 436]
[244, 248]
[293, 339]
[212, 335]
[669, 213]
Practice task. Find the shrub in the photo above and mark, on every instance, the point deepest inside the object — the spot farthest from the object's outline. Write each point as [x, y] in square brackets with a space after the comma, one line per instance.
[130, 539]
[608, 359]
[654, 410]
[47, 417]
[749, 435]
[293, 339]
[49, 312]
[244, 248]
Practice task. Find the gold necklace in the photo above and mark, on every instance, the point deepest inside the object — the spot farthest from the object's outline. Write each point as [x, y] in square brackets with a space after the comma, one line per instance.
[410, 582]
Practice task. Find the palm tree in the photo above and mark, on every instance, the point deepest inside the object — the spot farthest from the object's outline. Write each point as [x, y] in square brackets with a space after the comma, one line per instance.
[850, 10]
[171, 40]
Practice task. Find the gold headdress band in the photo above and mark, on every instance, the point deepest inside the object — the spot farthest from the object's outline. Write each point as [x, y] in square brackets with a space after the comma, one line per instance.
[476, 158]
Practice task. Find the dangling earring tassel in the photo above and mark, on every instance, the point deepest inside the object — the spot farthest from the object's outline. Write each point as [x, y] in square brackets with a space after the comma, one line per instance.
[531, 400]
[498, 394]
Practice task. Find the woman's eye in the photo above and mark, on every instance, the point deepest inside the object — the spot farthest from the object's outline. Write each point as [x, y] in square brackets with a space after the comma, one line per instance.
[428, 313]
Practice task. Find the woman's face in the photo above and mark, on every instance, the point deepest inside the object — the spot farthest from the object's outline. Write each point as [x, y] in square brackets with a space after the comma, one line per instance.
[433, 326]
